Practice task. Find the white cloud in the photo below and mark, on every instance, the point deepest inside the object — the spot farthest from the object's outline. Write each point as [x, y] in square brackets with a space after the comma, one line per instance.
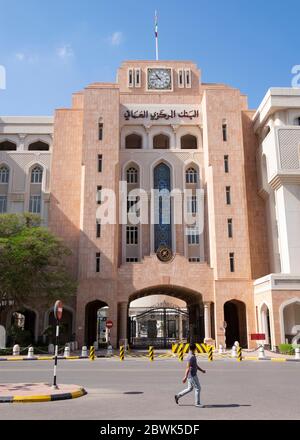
[27, 57]
[65, 51]
[116, 38]
[20, 56]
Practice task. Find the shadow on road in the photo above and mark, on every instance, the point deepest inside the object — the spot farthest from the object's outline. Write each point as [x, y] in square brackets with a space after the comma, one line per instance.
[134, 392]
[231, 405]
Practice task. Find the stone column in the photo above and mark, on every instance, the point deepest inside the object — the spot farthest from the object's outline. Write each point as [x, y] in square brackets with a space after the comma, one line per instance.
[207, 320]
[180, 335]
[123, 319]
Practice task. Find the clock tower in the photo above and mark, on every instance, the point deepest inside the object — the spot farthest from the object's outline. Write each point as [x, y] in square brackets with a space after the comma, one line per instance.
[155, 77]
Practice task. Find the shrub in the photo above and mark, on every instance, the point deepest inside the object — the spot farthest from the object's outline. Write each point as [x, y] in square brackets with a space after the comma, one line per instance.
[287, 348]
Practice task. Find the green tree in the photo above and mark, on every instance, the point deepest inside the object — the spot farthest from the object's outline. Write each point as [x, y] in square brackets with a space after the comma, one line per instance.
[32, 261]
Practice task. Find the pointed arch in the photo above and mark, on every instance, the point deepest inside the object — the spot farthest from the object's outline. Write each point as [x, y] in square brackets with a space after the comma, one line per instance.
[134, 141]
[6, 145]
[161, 141]
[188, 142]
[38, 145]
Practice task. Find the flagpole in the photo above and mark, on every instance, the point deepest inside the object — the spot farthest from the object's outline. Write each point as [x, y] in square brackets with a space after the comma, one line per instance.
[156, 34]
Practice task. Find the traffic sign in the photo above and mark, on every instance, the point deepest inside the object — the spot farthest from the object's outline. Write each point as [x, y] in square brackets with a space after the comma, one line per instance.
[109, 324]
[58, 310]
[258, 337]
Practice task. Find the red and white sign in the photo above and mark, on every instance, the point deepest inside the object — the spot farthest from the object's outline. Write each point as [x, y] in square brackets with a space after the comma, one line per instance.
[258, 337]
[109, 324]
[58, 310]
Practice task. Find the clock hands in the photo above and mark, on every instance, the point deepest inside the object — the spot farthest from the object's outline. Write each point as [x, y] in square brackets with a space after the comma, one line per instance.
[158, 77]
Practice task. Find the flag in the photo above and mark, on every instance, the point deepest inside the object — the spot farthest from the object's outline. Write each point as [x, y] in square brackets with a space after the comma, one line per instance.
[156, 25]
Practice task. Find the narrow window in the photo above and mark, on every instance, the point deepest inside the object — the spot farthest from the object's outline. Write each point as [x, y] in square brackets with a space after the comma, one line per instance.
[192, 205]
[35, 204]
[188, 78]
[228, 195]
[98, 258]
[131, 202]
[99, 199]
[231, 258]
[130, 78]
[224, 129]
[132, 175]
[98, 227]
[132, 235]
[195, 260]
[100, 163]
[191, 176]
[101, 131]
[193, 236]
[4, 174]
[137, 77]
[230, 228]
[37, 175]
[3, 204]
[226, 164]
[180, 79]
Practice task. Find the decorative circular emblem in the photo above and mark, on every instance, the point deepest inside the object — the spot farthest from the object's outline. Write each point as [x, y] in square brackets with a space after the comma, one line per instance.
[165, 254]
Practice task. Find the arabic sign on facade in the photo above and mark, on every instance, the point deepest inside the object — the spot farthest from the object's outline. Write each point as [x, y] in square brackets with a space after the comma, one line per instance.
[171, 114]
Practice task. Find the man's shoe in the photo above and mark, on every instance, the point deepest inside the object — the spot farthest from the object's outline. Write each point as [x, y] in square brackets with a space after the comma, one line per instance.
[199, 405]
[176, 399]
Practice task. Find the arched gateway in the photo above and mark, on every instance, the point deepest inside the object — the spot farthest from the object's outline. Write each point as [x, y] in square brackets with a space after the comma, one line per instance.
[177, 315]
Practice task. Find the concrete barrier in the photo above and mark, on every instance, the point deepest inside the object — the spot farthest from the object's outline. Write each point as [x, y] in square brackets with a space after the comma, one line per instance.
[261, 353]
[67, 351]
[16, 350]
[234, 352]
[30, 354]
[109, 352]
[84, 351]
[297, 353]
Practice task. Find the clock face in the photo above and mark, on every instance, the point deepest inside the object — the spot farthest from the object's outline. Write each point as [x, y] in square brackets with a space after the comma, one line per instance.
[159, 79]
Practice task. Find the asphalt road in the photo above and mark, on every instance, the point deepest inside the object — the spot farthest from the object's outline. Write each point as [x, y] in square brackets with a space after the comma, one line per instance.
[138, 389]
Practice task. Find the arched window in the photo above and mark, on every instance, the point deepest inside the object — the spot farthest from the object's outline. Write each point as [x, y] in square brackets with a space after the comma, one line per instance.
[38, 146]
[162, 207]
[191, 175]
[189, 142]
[8, 146]
[134, 141]
[132, 175]
[161, 142]
[4, 174]
[37, 175]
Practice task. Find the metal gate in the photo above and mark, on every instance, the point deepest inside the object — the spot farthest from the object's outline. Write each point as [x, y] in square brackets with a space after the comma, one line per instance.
[159, 327]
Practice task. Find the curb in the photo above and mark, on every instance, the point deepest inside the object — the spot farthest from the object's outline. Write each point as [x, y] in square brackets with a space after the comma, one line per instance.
[47, 398]
[42, 358]
[270, 359]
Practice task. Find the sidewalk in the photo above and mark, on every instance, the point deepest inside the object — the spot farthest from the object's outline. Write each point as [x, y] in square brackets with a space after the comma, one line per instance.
[38, 392]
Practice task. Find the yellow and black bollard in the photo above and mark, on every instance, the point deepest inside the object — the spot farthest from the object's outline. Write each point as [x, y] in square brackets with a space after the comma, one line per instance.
[240, 354]
[180, 353]
[151, 354]
[122, 353]
[92, 354]
[210, 353]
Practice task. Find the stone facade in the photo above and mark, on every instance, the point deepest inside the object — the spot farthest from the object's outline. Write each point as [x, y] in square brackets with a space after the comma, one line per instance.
[136, 124]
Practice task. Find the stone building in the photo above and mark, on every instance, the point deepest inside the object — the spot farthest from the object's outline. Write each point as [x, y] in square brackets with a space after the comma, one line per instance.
[160, 127]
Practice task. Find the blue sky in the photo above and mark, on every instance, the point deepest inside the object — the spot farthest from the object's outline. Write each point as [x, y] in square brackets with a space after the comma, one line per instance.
[53, 48]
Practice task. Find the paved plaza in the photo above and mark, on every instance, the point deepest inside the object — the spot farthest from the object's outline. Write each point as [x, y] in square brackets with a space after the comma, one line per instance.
[137, 389]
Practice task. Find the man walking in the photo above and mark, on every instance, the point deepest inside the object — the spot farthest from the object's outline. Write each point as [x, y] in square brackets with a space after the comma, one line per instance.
[192, 378]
